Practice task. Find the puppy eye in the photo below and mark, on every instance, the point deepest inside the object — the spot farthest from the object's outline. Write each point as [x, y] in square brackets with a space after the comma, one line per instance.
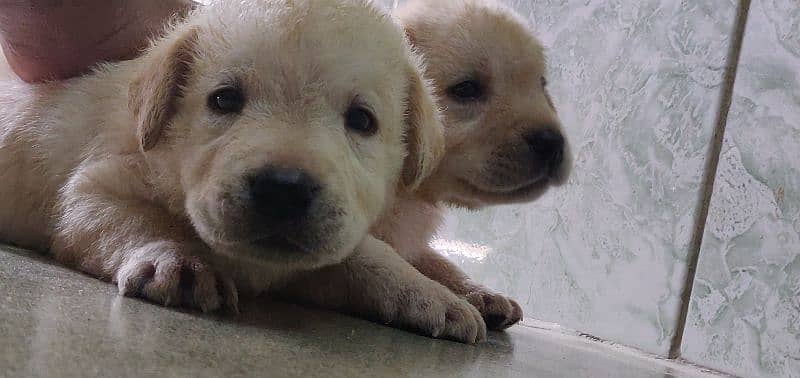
[543, 80]
[360, 120]
[226, 100]
[469, 90]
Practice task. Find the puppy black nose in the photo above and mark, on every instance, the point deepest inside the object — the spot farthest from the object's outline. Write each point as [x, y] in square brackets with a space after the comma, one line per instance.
[282, 195]
[547, 146]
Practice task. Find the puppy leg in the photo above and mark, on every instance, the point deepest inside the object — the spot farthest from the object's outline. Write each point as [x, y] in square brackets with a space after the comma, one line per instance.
[108, 227]
[377, 283]
[499, 311]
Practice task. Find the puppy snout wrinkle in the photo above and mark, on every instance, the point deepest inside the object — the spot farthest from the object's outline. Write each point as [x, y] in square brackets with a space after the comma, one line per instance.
[282, 195]
[547, 145]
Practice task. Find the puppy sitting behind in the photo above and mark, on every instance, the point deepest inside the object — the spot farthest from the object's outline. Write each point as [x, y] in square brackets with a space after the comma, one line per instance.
[503, 136]
[256, 141]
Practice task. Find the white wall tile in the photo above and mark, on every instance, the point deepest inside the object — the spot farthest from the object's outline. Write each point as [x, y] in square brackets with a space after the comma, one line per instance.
[745, 311]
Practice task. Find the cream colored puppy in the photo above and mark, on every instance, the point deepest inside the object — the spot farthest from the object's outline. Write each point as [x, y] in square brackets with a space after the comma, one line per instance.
[504, 139]
[256, 142]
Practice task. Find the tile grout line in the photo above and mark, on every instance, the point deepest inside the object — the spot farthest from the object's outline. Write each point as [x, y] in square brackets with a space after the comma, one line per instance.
[710, 173]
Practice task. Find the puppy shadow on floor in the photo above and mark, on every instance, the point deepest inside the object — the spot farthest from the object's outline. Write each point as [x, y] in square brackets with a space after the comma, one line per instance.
[350, 337]
[281, 315]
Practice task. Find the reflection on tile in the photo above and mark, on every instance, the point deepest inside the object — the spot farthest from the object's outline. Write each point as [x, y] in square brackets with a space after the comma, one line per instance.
[745, 311]
[637, 85]
[60, 323]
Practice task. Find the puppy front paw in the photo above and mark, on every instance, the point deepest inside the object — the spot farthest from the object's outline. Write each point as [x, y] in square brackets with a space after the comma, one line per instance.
[499, 311]
[164, 274]
[435, 311]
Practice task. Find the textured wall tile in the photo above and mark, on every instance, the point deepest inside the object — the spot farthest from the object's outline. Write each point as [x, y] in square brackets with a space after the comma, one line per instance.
[637, 85]
[745, 311]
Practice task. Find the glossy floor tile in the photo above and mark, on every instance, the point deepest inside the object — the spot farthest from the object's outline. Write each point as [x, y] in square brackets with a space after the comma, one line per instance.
[745, 311]
[60, 323]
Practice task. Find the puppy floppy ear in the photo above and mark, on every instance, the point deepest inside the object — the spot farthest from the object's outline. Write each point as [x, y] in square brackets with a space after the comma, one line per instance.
[424, 130]
[153, 96]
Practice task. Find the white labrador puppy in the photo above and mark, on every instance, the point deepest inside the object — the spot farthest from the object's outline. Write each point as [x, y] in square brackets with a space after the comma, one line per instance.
[254, 144]
[503, 136]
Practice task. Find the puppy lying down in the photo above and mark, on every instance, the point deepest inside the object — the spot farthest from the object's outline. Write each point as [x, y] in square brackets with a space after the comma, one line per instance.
[503, 136]
[248, 150]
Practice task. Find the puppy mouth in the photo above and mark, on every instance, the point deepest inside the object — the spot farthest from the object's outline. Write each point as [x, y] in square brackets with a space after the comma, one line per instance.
[527, 191]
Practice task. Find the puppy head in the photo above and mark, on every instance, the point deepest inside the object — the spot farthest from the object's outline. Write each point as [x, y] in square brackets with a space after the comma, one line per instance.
[285, 127]
[504, 138]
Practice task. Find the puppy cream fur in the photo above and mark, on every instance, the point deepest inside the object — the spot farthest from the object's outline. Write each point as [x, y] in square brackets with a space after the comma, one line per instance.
[490, 158]
[129, 175]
